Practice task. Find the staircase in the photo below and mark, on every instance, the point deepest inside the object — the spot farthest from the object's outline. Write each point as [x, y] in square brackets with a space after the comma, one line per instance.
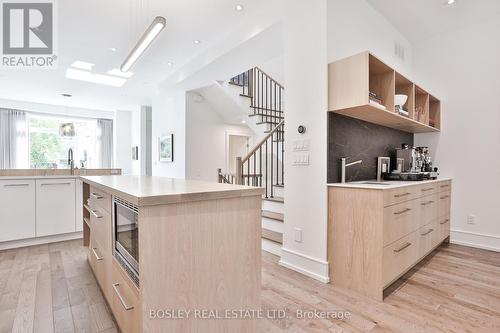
[263, 166]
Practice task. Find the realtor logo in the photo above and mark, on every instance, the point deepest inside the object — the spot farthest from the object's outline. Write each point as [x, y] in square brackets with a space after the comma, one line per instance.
[28, 34]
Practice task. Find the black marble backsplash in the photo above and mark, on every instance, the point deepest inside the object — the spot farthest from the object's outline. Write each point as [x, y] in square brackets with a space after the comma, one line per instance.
[360, 140]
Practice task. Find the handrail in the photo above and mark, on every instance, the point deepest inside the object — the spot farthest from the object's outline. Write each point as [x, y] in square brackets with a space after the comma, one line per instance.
[261, 142]
[270, 77]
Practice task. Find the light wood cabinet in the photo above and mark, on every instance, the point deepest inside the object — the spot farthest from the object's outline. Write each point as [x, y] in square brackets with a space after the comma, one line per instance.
[353, 79]
[55, 206]
[17, 215]
[375, 235]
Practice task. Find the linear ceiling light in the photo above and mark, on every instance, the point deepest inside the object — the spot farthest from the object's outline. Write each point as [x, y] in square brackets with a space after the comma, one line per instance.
[147, 38]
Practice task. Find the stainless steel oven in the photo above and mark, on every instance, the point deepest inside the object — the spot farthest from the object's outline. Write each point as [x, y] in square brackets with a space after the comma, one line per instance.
[126, 236]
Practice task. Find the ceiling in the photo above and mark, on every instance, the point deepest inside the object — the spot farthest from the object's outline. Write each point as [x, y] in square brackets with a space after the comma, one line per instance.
[89, 29]
[419, 20]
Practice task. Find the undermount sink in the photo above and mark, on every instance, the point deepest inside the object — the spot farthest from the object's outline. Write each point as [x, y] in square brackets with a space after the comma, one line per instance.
[374, 183]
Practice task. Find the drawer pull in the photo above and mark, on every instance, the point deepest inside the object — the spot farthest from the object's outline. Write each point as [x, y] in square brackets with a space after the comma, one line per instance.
[96, 215]
[427, 189]
[443, 186]
[402, 247]
[445, 221]
[16, 185]
[120, 297]
[401, 195]
[54, 184]
[402, 212]
[444, 197]
[96, 196]
[426, 233]
[427, 203]
[96, 255]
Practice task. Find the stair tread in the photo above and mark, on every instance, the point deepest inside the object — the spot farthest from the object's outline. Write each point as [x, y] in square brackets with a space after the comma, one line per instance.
[273, 215]
[275, 199]
[279, 185]
[265, 115]
[272, 235]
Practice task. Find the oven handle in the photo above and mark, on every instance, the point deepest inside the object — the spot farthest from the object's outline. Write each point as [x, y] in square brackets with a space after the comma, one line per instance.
[120, 297]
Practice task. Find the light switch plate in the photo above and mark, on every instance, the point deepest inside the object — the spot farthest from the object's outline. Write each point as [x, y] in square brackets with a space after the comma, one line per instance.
[301, 145]
[301, 159]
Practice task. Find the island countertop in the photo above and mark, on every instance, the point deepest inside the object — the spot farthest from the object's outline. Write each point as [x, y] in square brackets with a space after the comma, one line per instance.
[150, 191]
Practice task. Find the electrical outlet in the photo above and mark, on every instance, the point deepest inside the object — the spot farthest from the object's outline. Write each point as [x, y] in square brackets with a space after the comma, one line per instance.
[471, 219]
[298, 235]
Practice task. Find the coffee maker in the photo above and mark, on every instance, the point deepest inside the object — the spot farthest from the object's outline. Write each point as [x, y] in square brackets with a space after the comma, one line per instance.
[415, 162]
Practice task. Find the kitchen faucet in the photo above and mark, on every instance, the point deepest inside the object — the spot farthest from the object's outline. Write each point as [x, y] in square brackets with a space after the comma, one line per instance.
[71, 162]
[344, 165]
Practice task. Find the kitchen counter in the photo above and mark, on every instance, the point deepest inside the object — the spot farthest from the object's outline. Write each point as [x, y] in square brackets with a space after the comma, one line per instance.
[384, 185]
[149, 191]
[10, 174]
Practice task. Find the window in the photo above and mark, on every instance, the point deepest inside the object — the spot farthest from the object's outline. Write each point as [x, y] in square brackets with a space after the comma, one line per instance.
[48, 149]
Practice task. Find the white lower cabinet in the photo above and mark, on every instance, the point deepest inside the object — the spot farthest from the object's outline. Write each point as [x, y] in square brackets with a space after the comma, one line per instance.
[55, 206]
[17, 209]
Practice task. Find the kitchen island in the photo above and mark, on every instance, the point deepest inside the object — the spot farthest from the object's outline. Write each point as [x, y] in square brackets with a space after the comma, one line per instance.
[193, 253]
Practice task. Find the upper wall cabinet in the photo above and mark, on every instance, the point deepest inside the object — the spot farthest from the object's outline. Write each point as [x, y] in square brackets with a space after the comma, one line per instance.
[364, 87]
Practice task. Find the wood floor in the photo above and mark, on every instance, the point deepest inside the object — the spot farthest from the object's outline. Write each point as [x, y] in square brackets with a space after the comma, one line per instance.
[50, 288]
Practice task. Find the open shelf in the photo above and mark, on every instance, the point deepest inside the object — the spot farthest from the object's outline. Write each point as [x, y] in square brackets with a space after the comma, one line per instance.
[357, 83]
[406, 87]
[434, 112]
[421, 106]
[386, 118]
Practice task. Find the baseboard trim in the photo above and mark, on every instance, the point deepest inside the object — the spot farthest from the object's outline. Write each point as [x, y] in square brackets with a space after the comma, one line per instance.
[40, 240]
[304, 264]
[475, 239]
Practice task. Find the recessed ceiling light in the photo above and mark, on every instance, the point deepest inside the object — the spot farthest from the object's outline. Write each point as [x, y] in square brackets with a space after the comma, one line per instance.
[112, 49]
[243, 122]
[170, 63]
[196, 41]
[82, 65]
[239, 8]
[450, 2]
[77, 74]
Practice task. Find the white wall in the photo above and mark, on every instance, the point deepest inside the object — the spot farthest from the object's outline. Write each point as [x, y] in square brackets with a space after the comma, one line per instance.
[305, 68]
[169, 116]
[206, 135]
[354, 26]
[317, 33]
[462, 68]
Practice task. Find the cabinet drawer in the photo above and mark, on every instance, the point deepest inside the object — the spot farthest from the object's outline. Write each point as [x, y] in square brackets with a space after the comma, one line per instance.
[443, 225]
[444, 186]
[399, 195]
[100, 262]
[426, 209]
[444, 204]
[100, 224]
[399, 220]
[427, 189]
[100, 198]
[426, 238]
[398, 257]
[124, 302]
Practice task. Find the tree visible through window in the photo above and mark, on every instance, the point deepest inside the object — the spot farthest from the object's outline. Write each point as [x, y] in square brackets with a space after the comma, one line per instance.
[48, 149]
